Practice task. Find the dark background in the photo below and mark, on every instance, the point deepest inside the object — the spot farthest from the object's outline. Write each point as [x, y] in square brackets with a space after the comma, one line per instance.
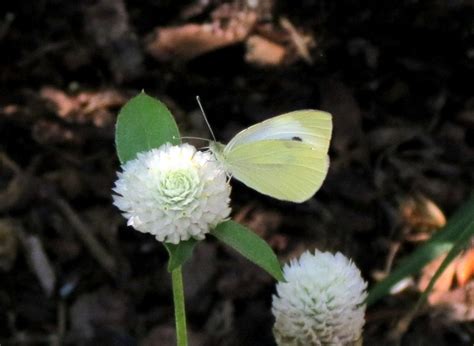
[396, 75]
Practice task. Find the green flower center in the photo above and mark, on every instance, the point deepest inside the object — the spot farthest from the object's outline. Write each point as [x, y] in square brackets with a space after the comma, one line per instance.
[178, 188]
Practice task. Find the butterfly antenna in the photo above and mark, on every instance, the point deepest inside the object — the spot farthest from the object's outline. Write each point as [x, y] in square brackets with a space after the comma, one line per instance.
[205, 117]
[198, 138]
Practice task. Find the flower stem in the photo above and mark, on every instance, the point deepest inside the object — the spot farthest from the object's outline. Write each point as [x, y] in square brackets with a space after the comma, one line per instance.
[179, 310]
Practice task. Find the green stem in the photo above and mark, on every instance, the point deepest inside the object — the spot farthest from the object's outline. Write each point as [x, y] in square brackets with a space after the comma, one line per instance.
[179, 310]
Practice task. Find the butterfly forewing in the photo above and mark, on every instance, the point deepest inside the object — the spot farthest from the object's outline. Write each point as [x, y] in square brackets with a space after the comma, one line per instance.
[308, 126]
[283, 169]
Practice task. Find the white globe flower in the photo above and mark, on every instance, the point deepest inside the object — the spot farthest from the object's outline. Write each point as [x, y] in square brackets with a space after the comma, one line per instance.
[173, 192]
[321, 302]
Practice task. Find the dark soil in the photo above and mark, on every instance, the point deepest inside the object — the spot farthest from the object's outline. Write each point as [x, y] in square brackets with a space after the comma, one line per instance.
[396, 75]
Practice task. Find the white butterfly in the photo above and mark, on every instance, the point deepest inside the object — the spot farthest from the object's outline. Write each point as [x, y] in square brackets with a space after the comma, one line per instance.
[285, 157]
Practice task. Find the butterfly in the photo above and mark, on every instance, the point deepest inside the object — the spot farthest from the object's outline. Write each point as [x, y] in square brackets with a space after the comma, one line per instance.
[285, 157]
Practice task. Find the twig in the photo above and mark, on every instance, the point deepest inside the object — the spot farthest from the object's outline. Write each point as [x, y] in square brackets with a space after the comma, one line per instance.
[402, 326]
[300, 42]
[84, 232]
[62, 320]
[42, 51]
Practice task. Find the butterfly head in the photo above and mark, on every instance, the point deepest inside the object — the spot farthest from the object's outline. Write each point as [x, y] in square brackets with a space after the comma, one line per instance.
[218, 150]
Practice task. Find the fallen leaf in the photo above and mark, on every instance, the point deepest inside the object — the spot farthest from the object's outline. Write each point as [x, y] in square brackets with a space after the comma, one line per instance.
[444, 282]
[457, 304]
[465, 267]
[86, 107]
[422, 214]
[182, 43]
[263, 52]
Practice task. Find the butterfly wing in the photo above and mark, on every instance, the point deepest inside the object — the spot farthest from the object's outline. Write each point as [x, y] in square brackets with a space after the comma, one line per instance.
[286, 170]
[308, 126]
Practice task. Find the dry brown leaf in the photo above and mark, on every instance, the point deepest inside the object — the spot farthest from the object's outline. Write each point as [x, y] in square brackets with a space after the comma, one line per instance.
[444, 282]
[457, 303]
[422, 214]
[182, 43]
[462, 267]
[465, 267]
[64, 104]
[85, 107]
[263, 52]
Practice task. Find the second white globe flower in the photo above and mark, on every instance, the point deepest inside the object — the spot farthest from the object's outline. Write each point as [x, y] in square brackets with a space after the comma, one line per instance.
[321, 302]
[173, 192]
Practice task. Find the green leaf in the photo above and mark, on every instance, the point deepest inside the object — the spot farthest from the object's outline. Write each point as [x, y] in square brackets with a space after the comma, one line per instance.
[442, 242]
[179, 253]
[249, 245]
[143, 123]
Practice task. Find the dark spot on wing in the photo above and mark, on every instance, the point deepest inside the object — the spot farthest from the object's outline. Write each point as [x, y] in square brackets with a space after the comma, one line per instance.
[296, 139]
